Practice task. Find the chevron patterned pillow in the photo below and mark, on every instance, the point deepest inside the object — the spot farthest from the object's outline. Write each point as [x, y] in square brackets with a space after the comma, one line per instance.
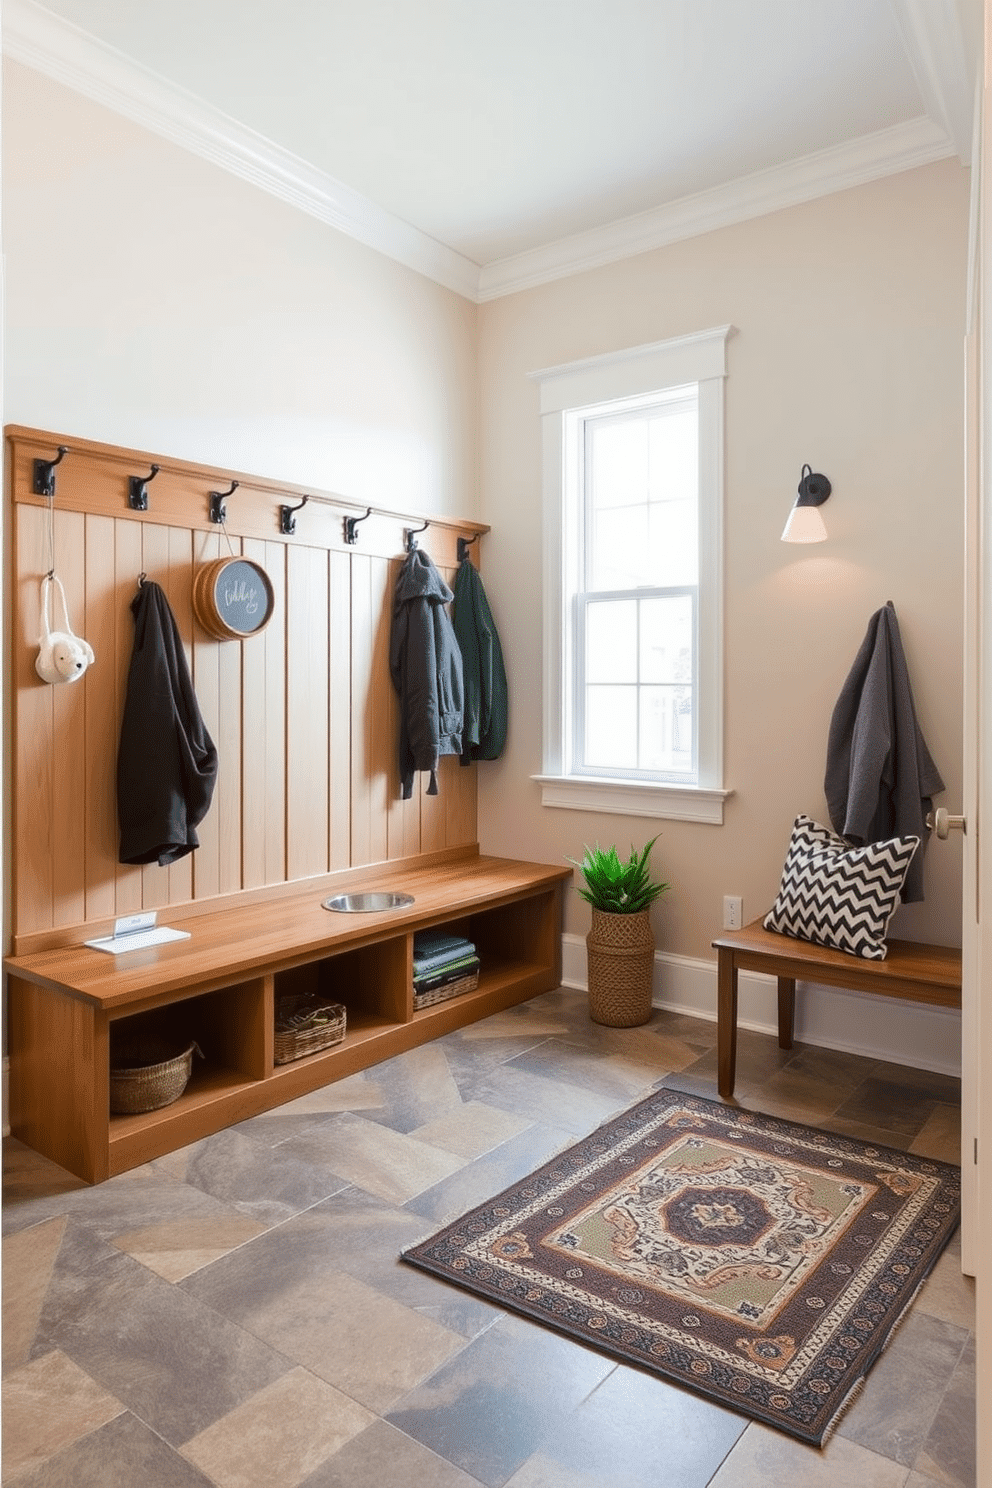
[838, 895]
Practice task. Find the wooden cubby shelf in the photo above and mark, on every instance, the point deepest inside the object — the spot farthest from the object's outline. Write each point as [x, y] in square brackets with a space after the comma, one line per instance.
[220, 987]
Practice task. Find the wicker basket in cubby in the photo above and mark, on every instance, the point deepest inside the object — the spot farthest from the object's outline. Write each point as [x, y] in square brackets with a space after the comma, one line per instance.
[147, 1074]
[306, 1023]
[443, 993]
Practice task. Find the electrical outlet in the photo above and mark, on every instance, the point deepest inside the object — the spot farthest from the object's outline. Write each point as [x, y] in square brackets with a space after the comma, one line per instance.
[733, 911]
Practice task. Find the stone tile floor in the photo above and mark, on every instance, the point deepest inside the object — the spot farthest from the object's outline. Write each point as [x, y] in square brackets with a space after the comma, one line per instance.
[234, 1314]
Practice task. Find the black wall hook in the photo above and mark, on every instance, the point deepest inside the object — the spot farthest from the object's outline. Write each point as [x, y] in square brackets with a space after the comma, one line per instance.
[464, 543]
[218, 511]
[351, 526]
[137, 490]
[44, 473]
[287, 522]
[411, 540]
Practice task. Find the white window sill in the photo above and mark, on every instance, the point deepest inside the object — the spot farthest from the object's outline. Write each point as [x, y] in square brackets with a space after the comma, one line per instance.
[633, 798]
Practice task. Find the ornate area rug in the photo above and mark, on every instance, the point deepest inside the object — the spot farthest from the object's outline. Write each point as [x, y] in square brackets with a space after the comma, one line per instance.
[761, 1263]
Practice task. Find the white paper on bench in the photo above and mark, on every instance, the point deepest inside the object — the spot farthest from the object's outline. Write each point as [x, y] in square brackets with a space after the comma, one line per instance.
[117, 944]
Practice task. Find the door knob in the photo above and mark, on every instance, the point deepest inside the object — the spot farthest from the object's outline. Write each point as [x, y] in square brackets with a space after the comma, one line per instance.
[942, 822]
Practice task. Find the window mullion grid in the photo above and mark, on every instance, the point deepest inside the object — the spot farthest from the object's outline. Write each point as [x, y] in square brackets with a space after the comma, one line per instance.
[637, 675]
[581, 603]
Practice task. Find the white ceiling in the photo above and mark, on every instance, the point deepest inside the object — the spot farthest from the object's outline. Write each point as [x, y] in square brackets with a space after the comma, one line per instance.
[492, 143]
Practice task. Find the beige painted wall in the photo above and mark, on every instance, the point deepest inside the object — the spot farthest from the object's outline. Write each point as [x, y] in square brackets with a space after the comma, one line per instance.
[155, 301]
[849, 317]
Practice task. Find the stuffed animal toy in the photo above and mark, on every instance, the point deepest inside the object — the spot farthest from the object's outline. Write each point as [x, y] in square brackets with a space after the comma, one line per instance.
[62, 656]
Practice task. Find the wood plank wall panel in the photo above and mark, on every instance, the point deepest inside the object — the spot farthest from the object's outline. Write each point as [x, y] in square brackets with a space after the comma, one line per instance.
[127, 879]
[307, 732]
[69, 723]
[99, 799]
[32, 798]
[304, 714]
[263, 839]
[274, 660]
[460, 798]
[206, 684]
[339, 668]
[179, 591]
[382, 764]
[361, 643]
[432, 808]
[227, 807]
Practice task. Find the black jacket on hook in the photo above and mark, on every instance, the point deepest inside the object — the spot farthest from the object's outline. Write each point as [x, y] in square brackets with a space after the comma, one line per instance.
[426, 667]
[166, 761]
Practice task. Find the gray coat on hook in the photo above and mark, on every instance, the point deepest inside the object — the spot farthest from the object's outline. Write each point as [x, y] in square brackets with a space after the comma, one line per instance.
[426, 667]
[880, 775]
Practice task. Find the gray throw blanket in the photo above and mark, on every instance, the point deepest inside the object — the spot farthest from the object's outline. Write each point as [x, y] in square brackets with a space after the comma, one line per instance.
[880, 776]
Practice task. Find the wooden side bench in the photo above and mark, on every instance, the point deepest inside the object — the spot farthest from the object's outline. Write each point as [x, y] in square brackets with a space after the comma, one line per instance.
[914, 972]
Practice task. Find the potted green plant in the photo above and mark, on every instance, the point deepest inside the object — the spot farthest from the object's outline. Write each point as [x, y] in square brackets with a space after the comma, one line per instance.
[620, 942]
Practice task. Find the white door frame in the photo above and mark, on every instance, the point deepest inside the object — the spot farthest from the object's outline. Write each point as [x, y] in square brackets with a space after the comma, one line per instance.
[977, 898]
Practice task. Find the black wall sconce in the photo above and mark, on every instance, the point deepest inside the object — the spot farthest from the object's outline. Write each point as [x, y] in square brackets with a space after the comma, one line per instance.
[805, 524]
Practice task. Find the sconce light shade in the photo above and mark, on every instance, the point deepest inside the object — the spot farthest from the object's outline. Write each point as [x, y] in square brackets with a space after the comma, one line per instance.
[805, 525]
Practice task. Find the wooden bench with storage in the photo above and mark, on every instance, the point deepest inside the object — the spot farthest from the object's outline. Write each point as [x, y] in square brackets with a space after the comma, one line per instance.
[915, 972]
[220, 987]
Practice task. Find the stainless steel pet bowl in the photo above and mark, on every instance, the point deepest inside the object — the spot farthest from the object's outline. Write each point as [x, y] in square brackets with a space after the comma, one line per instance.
[367, 903]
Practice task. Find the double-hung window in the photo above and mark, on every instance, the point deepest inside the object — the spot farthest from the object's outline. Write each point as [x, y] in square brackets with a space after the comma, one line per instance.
[633, 451]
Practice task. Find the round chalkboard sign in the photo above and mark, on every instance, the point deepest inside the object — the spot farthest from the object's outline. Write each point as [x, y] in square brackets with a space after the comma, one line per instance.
[233, 598]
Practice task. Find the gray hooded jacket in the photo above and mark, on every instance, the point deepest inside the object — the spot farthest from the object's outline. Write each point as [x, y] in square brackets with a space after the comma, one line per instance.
[426, 667]
[880, 776]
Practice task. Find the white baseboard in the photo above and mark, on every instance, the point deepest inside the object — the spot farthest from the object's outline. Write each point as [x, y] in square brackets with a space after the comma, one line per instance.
[854, 1022]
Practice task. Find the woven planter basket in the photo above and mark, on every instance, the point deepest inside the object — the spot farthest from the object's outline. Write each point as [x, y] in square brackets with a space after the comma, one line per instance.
[620, 951]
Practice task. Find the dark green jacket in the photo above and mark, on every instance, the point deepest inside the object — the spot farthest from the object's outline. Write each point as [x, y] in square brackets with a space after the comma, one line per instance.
[484, 732]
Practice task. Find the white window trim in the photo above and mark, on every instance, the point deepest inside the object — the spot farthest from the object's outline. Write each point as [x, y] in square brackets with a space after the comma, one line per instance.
[698, 358]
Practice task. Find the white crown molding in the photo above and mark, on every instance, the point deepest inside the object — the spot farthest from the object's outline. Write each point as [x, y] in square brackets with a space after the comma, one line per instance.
[889, 151]
[40, 40]
[939, 54]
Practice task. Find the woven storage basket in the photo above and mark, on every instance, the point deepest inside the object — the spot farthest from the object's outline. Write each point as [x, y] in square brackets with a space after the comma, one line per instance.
[620, 951]
[147, 1075]
[305, 1024]
[442, 994]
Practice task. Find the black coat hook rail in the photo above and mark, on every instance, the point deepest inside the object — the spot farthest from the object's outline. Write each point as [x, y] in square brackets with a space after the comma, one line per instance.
[287, 521]
[137, 489]
[464, 543]
[411, 538]
[351, 526]
[44, 473]
[218, 511]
